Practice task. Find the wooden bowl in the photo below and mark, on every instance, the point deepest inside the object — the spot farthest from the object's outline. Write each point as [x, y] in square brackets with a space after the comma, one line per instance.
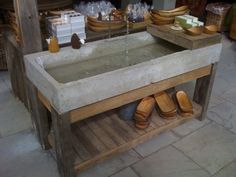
[97, 23]
[169, 14]
[162, 22]
[210, 29]
[194, 31]
[161, 18]
[181, 8]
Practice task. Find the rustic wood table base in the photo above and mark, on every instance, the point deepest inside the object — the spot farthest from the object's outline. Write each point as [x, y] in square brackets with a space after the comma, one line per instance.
[83, 137]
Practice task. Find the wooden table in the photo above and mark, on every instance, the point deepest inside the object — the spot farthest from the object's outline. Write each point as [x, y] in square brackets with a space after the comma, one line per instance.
[92, 133]
[95, 137]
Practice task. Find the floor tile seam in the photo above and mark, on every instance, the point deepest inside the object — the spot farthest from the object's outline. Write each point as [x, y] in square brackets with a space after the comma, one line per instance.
[227, 81]
[217, 103]
[19, 132]
[228, 164]
[179, 150]
[124, 169]
[134, 170]
[227, 99]
[143, 158]
[137, 151]
[224, 127]
[181, 137]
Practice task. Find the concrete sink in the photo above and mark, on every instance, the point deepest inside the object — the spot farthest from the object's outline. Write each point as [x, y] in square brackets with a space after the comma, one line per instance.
[75, 78]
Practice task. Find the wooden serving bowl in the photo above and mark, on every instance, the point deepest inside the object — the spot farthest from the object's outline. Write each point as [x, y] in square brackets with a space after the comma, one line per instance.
[161, 22]
[210, 29]
[161, 18]
[96, 22]
[104, 28]
[194, 31]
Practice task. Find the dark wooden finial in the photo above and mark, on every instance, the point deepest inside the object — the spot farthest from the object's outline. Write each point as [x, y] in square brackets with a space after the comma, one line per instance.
[75, 41]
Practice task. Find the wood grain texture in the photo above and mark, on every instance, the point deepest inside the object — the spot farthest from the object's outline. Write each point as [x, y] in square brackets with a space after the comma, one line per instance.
[39, 116]
[132, 139]
[28, 22]
[63, 144]
[181, 39]
[203, 89]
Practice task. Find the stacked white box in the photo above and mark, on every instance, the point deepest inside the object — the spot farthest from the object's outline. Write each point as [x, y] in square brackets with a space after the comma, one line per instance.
[65, 26]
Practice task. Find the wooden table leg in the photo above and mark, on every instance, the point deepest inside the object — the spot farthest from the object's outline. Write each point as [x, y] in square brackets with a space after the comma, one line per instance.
[39, 116]
[203, 89]
[63, 143]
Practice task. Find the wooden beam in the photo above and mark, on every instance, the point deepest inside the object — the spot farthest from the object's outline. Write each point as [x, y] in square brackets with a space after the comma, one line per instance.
[117, 101]
[203, 90]
[63, 144]
[39, 116]
[28, 22]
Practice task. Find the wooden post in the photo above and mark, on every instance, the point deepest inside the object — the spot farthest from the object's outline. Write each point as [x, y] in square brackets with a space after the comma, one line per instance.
[203, 89]
[63, 144]
[28, 22]
[39, 116]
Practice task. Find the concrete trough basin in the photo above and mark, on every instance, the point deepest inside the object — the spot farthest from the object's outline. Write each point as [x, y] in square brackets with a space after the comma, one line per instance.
[72, 78]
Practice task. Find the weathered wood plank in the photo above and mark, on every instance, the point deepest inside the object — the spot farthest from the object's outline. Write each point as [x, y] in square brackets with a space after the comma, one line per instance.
[110, 131]
[27, 19]
[181, 39]
[39, 116]
[63, 144]
[133, 142]
[79, 148]
[97, 145]
[98, 131]
[123, 125]
[156, 119]
[203, 89]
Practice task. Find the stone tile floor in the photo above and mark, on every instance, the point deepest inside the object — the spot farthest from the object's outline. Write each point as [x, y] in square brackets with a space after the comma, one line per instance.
[194, 149]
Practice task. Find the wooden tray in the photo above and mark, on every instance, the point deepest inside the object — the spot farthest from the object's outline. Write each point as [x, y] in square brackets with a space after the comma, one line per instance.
[165, 103]
[184, 103]
[181, 39]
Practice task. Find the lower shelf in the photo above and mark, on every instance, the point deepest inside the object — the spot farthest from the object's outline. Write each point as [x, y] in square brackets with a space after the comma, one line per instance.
[102, 136]
[97, 138]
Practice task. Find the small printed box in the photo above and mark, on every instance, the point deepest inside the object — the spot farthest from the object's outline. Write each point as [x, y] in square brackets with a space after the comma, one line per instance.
[78, 25]
[78, 30]
[64, 26]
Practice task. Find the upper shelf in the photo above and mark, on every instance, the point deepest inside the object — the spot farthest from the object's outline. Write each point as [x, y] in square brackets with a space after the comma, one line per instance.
[181, 39]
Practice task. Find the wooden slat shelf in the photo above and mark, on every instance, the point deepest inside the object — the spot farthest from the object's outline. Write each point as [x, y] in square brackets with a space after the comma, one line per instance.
[104, 135]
